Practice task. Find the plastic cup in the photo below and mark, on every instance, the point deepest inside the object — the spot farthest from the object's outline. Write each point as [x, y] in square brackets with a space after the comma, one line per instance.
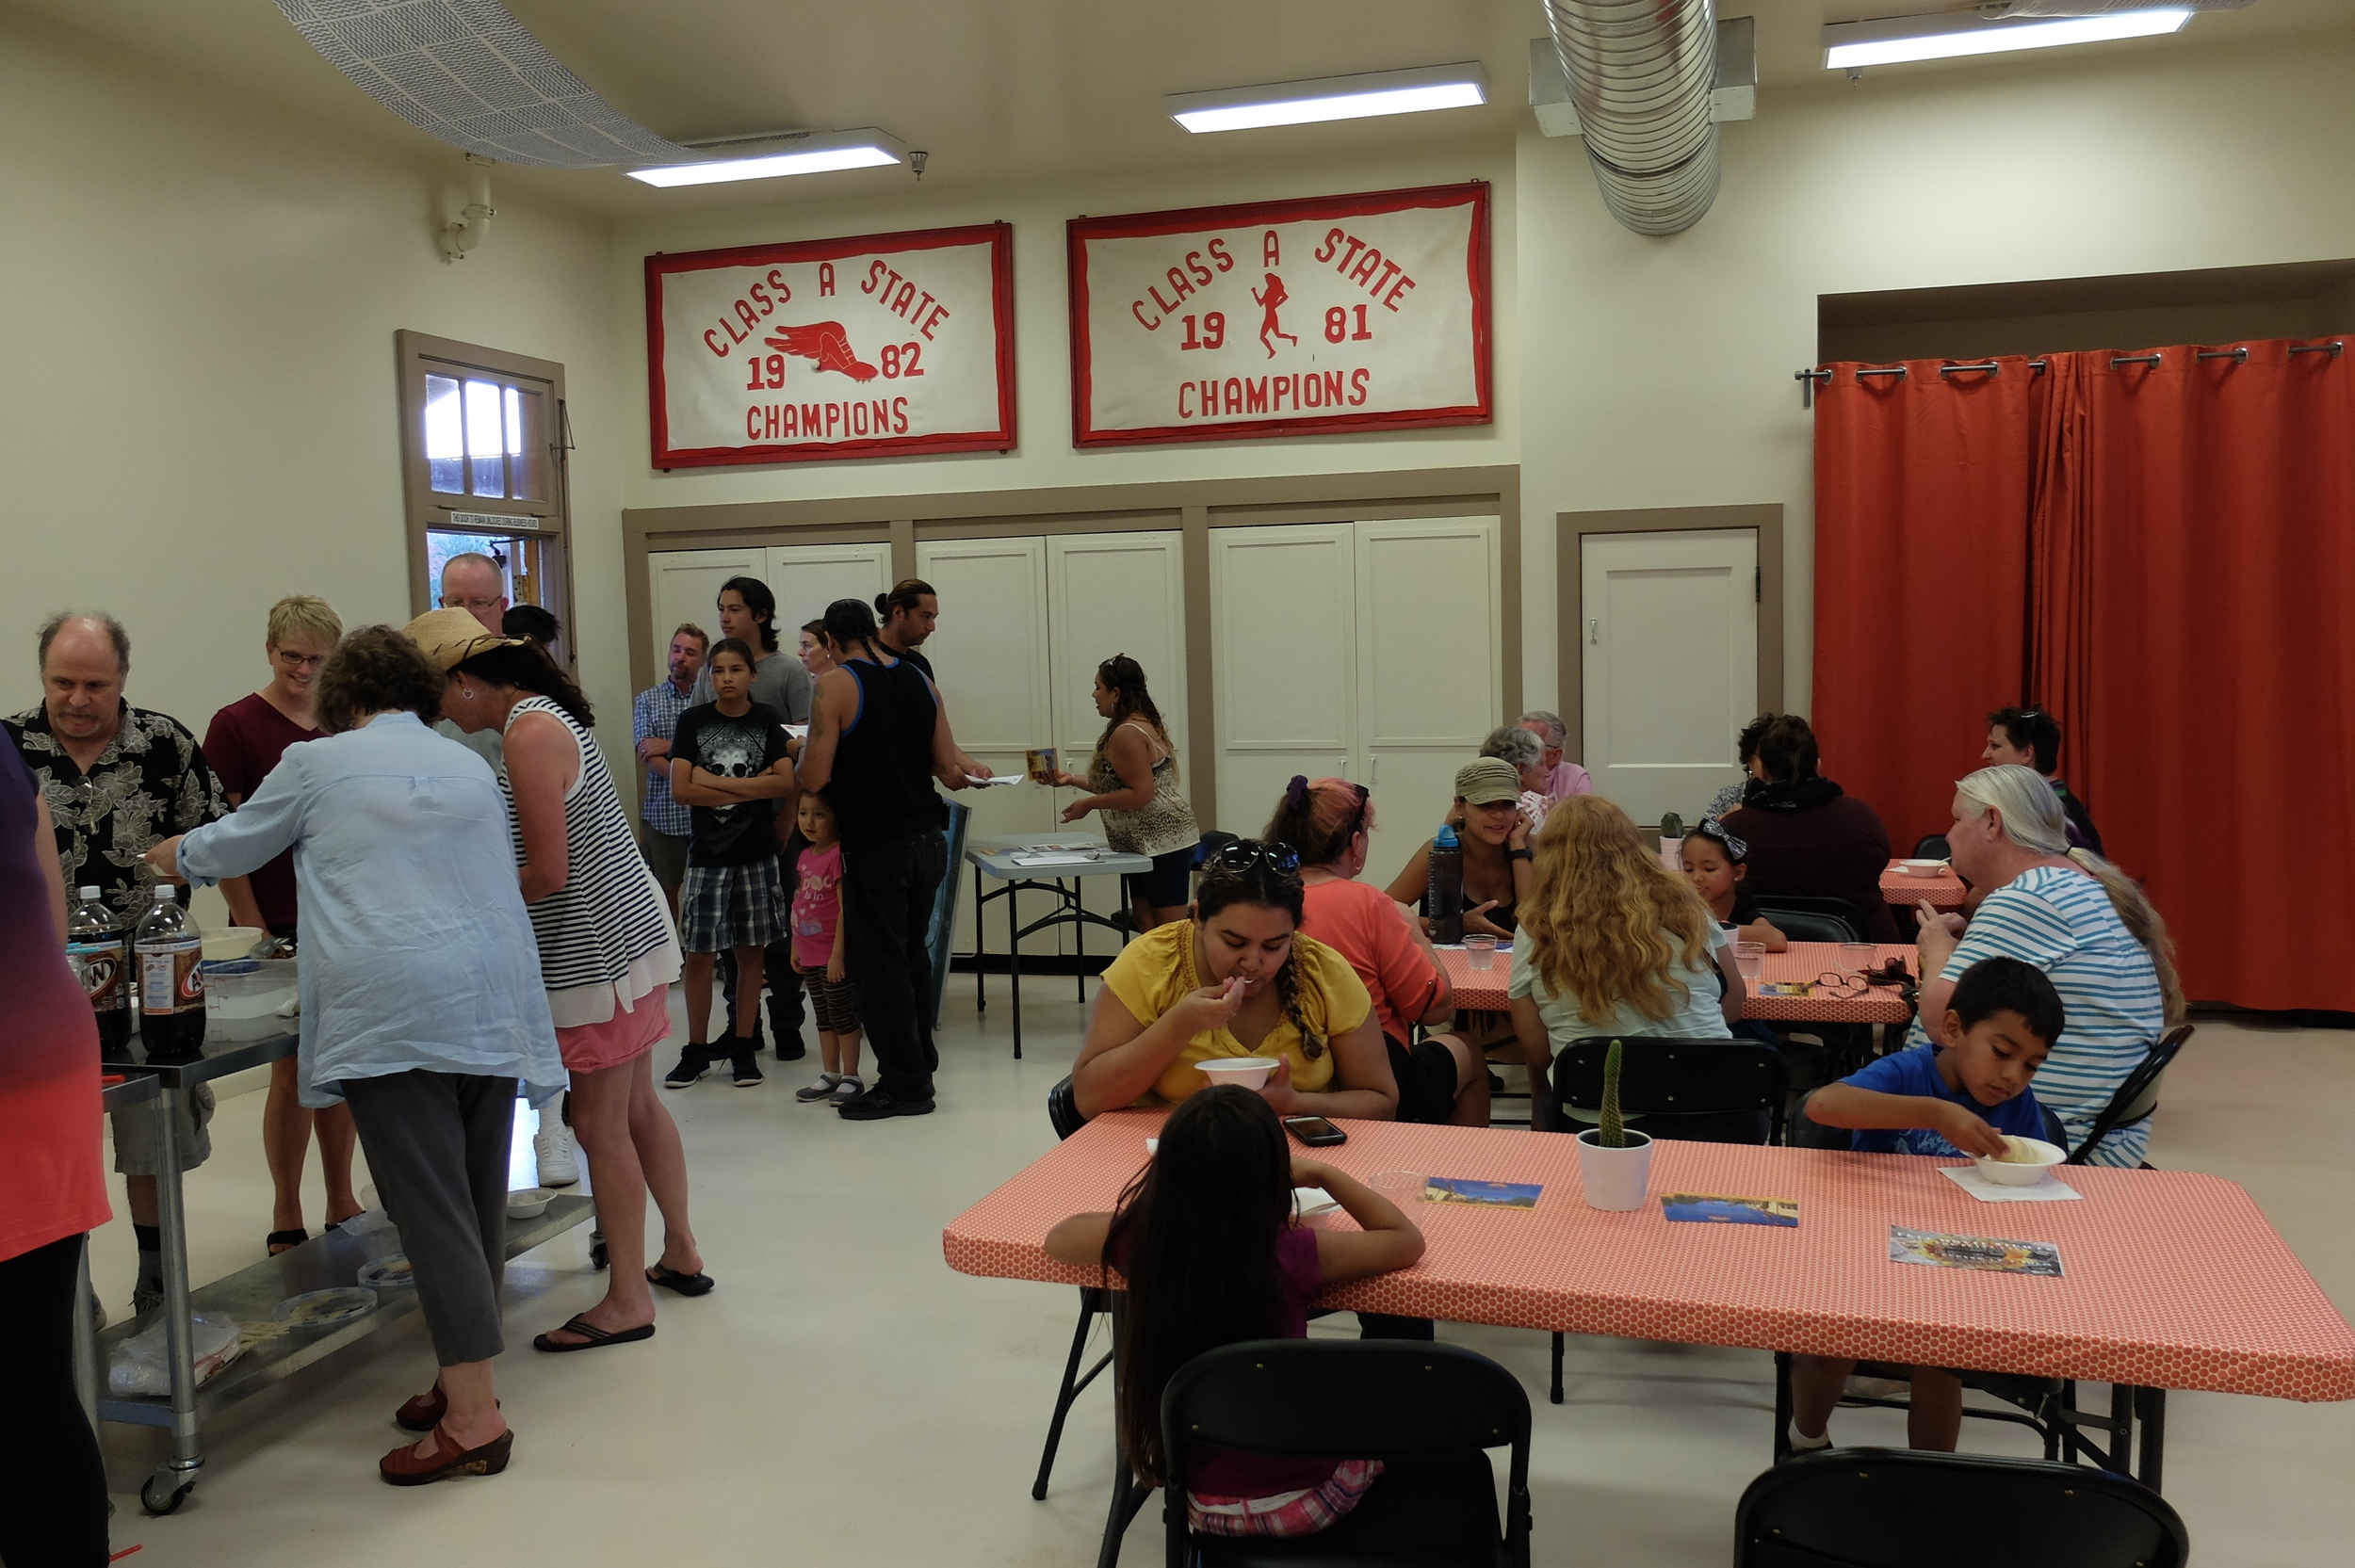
[1855, 957]
[1400, 1187]
[1749, 958]
[1480, 950]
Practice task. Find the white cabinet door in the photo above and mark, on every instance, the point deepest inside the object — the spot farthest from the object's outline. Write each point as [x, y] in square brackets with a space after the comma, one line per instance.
[1670, 628]
[1431, 670]
[1283, 608]
[1106, 595]
[684, 586]
[807, 578]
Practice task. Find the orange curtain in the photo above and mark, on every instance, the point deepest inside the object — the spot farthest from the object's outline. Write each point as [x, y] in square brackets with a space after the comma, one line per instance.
[1922, 502]
[2193, 627]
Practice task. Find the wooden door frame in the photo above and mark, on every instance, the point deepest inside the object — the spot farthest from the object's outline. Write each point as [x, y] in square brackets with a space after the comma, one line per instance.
[1569, 561]
[1192, 507]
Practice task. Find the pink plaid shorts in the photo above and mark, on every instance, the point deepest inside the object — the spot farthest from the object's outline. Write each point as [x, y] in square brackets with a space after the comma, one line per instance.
[1288, 1512]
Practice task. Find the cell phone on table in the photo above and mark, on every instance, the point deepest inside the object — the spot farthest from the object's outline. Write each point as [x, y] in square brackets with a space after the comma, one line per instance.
[1315, 1131]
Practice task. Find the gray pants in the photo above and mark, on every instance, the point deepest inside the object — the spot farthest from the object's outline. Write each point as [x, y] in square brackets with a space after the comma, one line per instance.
[437, 1145]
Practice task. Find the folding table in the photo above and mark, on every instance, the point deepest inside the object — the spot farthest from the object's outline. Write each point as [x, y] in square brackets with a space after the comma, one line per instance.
[1041, 863]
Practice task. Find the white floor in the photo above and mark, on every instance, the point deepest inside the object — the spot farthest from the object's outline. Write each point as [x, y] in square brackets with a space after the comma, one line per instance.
[845, 1399]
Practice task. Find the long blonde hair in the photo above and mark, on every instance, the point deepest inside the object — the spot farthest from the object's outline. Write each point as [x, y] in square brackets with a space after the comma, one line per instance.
[2033, 820]
[1598, 907]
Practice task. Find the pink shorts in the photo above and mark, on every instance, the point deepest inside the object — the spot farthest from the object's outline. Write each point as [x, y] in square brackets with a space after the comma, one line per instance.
[1288, 1512]
[628, 1034]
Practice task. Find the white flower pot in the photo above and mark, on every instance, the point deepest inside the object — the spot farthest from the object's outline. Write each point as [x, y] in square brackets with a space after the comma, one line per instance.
[1614, 1178]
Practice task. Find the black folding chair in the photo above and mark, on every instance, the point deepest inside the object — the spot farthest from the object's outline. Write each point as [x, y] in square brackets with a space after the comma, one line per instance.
[1807, 925]
[2135, 1099]
[1430, 1413]
[1064, 1111]
[1931, 846]
[1701, 1090]
[1773, 905]
[1903, 1508]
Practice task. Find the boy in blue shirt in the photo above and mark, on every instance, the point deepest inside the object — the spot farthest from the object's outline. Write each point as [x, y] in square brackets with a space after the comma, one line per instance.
[1960, 1095]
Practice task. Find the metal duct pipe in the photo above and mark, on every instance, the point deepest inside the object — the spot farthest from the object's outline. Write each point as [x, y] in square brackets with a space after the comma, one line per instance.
[1639, 72]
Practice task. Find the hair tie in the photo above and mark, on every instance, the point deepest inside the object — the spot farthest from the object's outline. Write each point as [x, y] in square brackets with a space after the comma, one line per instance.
[1296, 792]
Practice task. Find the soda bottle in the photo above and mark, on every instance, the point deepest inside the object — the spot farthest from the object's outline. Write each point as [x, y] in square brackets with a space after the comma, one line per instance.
[1444, 896]
[99, 951]
[169, 954]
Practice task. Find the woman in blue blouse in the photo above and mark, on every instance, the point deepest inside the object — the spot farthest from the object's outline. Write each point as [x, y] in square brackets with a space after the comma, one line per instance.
[422, 1007]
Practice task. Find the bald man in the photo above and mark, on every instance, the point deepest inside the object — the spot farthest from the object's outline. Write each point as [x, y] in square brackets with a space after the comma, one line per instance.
[118, 780]
[475, 584]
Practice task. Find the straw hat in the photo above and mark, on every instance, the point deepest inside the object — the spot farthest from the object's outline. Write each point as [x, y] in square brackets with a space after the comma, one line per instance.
[1485, 781]
[450, 635]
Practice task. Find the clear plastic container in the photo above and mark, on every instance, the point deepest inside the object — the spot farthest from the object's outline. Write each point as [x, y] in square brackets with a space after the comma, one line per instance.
[248, 988]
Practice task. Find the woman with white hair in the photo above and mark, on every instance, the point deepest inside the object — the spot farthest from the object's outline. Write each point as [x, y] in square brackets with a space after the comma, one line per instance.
[1526, 752]
[2075, 917]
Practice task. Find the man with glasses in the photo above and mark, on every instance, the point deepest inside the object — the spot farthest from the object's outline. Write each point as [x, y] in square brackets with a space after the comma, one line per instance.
[118, 781]
[243, 744]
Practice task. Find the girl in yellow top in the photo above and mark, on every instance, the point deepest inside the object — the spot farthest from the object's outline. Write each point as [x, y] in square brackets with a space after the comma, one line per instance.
[1235, 980]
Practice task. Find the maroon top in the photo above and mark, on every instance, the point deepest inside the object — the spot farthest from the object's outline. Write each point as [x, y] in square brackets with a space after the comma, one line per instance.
[245, 742]
[1834, 850]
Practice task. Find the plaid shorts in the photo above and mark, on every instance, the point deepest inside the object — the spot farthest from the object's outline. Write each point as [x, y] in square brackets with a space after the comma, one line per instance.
[1287, 1513]
[722, 907]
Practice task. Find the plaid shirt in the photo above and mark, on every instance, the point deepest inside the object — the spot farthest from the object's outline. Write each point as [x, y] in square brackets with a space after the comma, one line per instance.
[656, 715]
[151, 782]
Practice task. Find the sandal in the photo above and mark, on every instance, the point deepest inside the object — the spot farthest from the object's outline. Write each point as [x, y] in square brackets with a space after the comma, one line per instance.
[685, 1284]
[282, 1241]
[402, 1467]
[595, 1337]
[425, 1411]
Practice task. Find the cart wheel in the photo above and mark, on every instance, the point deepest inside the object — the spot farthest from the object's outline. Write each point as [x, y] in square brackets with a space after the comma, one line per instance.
[597, 1256]
[165, 1491]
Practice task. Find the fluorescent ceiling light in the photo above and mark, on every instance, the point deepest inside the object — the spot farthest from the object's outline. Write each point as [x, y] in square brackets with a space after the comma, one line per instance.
[1360, 97]
[1954, 34]
[771, 157]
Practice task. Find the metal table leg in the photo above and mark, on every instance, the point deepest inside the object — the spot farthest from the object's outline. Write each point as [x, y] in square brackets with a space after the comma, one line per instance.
[981, 947]
[174, 1478]
[1129, 1494]
[2151, 1405]
[1078, 940]
[1013, 962]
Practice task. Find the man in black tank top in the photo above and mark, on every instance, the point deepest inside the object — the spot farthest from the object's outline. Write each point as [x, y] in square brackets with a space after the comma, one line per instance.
[878, 738]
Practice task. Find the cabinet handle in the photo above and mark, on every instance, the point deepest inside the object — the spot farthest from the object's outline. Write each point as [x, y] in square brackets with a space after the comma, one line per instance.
[1593, 634]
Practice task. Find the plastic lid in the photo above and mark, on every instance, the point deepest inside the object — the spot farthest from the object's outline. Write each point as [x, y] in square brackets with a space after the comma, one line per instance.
[165, 894]
[1445, 837]
[88, 895]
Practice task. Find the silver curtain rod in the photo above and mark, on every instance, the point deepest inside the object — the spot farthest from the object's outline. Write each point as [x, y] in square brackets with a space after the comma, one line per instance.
[1811, 378]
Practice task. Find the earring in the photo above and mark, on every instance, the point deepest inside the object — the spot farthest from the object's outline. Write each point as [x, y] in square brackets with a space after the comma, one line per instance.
[467, 692]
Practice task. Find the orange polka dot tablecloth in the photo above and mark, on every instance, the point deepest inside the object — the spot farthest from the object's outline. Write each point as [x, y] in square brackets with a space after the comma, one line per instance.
[2172, 1280]
[1944, 891]
[1806, 961]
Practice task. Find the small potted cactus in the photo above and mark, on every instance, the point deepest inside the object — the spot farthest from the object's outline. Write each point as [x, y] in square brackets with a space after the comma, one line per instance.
[1614, 1164]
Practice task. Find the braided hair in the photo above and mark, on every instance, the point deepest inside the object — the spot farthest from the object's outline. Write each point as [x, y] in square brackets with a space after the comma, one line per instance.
[1262, 883]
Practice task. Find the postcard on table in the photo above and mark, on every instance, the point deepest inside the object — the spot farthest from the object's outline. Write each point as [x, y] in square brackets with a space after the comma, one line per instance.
[1710, 1208]
[1457, 1189]
[1991, 1252]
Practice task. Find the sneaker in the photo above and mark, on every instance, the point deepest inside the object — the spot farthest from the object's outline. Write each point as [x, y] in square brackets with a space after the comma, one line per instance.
[552, 1146]
[848, 1089]
[821, 1089]
[693, 1062]
[747, 1069]
[145, 1300]
[876, 1104]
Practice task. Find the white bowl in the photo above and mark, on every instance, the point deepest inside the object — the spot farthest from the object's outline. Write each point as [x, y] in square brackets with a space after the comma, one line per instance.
[1248, 1072]
[529, 1202]
[1922, 868]
[232, 942]
[2007, 1173]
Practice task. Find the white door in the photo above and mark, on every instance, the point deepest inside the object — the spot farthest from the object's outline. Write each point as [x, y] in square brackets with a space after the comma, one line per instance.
[1106, 595]
[1284, 612]
[990, 656]
[1669, 627]
[807, 578]
[1431, 670]
[684, 586]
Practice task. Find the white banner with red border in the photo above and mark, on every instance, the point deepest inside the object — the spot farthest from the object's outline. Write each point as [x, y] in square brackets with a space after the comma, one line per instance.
[1342, 313]
[863, 346]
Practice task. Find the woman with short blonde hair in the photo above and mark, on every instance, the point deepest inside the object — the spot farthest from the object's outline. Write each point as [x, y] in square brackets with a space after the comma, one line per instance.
[304, 616]
[1612, 943]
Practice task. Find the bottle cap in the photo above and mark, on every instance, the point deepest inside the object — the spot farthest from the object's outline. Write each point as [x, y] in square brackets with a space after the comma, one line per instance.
[165, 894]
[87, 894]
[1445, 838]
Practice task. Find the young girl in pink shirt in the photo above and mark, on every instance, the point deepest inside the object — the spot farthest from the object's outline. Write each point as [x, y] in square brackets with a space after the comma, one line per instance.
[818, 953]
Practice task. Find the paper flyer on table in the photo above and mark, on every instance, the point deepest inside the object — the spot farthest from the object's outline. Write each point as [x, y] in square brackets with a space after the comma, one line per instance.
[1990, 1252]
[1459, 1190]
[1713, 1209]
[2051, 1189]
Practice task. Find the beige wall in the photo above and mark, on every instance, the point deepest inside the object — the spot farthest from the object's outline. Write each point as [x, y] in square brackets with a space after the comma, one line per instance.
[198, 297]
[1656, 372]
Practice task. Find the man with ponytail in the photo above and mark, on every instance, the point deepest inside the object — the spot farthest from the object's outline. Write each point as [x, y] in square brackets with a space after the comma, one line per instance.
[2074, 915]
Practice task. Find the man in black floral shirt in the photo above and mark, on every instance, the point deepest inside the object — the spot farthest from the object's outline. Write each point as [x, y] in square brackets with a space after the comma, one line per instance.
[118, 780]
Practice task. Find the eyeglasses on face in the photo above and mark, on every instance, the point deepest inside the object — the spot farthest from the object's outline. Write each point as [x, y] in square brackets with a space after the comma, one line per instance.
[1246, 853]
[298, 661]
[476, 604]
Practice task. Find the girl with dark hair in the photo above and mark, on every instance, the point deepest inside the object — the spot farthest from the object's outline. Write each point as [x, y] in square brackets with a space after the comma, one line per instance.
[1206, 1240]
[1237, 979]
[1440, 1078]
[1134, 774]
[1804, 834]
[1715, 863]
[2024, 737]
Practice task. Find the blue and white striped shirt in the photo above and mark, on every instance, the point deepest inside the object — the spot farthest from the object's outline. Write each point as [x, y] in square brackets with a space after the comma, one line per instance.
[2063, 922]
[656, 715]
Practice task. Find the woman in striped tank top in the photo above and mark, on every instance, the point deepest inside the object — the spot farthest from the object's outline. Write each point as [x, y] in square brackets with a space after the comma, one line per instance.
[608, 956]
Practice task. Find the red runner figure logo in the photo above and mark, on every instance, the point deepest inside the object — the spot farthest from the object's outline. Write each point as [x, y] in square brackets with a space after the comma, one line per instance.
[1269, 300]
[825, 343]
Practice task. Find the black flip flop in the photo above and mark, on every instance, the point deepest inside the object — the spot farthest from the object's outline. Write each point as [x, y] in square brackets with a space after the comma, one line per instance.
[685, 1284]
[595, 1337]
[288, 1238]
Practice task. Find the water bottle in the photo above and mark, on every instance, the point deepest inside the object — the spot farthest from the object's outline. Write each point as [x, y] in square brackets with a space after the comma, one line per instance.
[100, 951]
[169, 954]
[1444, 896]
